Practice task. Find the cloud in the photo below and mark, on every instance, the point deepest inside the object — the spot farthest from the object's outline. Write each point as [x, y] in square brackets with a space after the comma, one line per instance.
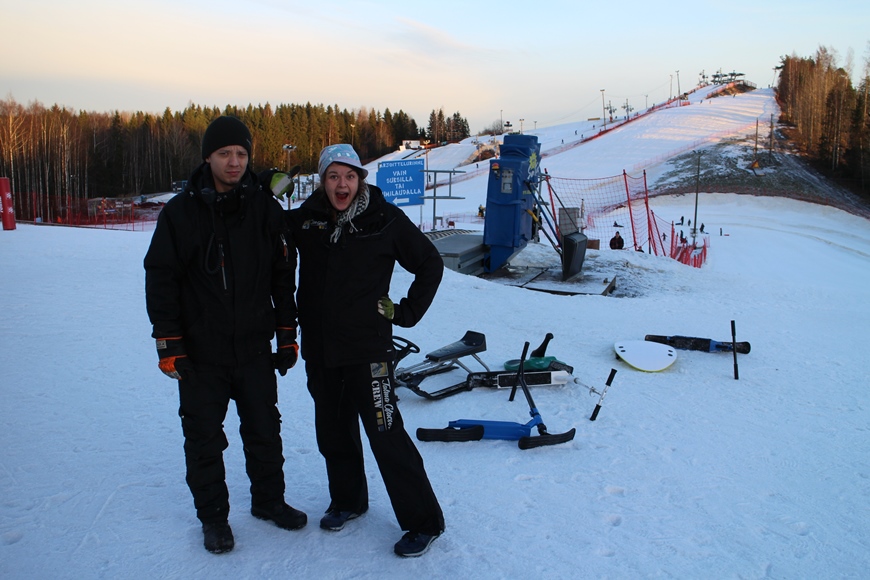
[436, 46]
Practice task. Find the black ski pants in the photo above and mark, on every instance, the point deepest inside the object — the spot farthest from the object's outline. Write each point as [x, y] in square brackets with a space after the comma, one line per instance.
[344, 396]
[204, 399]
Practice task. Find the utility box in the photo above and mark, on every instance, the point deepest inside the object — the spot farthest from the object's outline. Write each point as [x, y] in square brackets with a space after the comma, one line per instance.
[573, 254]
[569, 220]
[510, 196]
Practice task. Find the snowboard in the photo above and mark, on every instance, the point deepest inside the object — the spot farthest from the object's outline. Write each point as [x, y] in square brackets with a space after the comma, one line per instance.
[645, 356]
[702, 344]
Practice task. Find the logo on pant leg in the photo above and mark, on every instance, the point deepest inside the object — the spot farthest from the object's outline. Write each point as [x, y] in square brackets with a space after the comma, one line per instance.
[382, 396]
[380, 370]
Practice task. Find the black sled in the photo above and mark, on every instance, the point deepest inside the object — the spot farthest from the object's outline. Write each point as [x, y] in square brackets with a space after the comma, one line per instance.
[702, 344]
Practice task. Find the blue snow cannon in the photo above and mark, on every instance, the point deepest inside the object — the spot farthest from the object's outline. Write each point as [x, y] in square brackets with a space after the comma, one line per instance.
[510, 196]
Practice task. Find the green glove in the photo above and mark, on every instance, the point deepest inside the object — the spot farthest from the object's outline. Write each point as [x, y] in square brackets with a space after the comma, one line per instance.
[280, 183]
[386, 307]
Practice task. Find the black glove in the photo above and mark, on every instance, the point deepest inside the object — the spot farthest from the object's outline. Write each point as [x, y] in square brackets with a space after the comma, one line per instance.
[173, 358]
[288, 350]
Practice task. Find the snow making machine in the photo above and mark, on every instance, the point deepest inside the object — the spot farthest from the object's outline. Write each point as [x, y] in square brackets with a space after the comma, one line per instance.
[513, 214]
[510, 199]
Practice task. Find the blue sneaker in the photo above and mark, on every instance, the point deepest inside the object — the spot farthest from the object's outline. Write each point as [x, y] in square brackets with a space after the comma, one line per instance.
[335, 519]
[414, 544]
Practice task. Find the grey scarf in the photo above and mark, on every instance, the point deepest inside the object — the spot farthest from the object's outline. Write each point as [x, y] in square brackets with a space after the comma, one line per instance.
[356, 207]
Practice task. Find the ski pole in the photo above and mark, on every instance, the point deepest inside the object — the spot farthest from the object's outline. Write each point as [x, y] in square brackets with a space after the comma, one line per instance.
[604, 392]
[734, 349]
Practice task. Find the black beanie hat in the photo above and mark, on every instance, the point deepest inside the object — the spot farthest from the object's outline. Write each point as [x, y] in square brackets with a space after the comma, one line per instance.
[225, 131]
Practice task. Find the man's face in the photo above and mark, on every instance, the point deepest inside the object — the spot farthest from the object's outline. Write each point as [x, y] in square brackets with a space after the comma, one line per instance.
[341, 185]
[228, 164]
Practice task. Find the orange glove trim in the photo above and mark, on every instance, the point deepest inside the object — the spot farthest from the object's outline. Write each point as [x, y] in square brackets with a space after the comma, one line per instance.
[294, 346]
[167, 365]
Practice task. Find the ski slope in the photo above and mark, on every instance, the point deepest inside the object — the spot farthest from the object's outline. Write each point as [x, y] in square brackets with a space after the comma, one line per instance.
[645, 142]
[686, 473]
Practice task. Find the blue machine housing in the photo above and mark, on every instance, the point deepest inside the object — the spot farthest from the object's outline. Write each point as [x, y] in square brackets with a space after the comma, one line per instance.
[513, 183]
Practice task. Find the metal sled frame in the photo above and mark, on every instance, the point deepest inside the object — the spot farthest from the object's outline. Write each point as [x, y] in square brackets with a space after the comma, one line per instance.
[438, 361]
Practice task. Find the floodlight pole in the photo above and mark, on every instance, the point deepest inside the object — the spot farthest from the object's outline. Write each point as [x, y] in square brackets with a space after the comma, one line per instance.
[697, 188]
[288, 148]
[603, 115]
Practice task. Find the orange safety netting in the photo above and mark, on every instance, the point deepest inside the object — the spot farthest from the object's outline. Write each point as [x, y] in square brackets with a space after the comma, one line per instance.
[603, 206]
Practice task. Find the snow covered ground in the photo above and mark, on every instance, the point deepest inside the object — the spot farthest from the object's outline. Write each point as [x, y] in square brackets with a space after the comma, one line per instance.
[686, 473]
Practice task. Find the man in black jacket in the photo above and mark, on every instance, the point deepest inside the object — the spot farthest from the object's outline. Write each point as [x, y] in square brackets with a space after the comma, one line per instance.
[349, 239]
[617, 242]
[219, 283]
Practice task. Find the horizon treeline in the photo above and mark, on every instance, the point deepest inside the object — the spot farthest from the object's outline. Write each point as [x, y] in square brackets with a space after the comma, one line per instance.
[829, 116]
[56, 158]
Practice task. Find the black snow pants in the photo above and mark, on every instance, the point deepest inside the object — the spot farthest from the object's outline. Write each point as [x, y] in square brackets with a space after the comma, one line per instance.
[204, 399]
[342, 397]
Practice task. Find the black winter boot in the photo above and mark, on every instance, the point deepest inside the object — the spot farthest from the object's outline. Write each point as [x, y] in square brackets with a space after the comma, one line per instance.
[282, 515]
[218, 537]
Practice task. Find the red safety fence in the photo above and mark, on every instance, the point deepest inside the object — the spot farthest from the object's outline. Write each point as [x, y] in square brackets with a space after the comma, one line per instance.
[111, 213]
[604, 206]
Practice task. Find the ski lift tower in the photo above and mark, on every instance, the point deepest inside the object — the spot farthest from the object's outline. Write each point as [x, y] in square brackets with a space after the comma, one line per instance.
[434, 197]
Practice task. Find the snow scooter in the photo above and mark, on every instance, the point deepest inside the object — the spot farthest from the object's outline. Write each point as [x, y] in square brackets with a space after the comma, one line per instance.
[539, 360]
[550, 371]
[473, 430]
[539, 369]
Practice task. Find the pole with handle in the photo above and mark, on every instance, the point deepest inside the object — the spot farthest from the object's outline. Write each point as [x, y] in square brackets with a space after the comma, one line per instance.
[734, 349]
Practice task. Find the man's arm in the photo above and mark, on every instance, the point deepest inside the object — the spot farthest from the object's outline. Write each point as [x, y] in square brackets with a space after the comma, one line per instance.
[284, 293]
[283, 268]
[163, 275]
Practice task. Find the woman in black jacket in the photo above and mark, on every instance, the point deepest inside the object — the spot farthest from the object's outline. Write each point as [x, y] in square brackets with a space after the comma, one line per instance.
[349, 239]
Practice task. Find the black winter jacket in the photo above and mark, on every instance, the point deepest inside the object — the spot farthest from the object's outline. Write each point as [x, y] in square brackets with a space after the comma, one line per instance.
[220, 273]
[340, 283]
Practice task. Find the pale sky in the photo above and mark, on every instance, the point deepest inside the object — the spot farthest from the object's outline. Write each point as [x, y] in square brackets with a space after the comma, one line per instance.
[544, 61]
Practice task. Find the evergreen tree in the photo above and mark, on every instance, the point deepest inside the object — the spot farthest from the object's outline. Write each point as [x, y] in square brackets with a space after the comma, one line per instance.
[61, 158]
